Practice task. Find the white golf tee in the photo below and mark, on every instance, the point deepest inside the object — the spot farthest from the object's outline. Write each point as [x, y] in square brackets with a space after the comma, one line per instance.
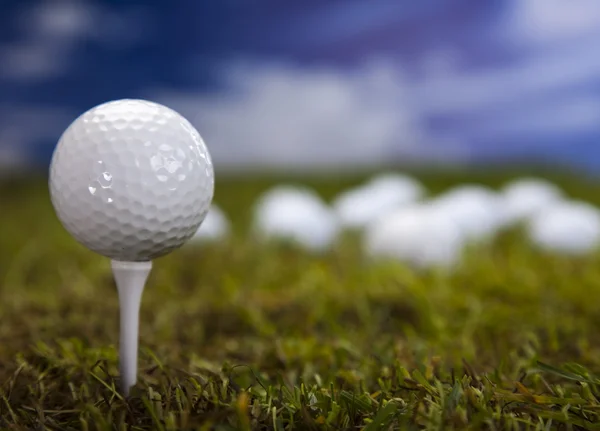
[130, 278]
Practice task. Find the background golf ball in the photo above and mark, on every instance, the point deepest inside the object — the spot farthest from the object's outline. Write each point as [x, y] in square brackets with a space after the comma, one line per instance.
[525, 197]
[417, 235]
[476, 210]
[384, 193]
[215, 227]
[131, 180]
[569, 227]
[298, 215]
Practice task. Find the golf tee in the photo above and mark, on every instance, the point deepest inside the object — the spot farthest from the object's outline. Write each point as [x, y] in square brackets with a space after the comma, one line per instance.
[130, 278]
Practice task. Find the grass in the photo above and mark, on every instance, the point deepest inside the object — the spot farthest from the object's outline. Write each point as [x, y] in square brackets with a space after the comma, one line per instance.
[239, 336]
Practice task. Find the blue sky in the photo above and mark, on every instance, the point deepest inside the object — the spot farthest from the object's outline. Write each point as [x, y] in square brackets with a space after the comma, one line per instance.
[314, 83]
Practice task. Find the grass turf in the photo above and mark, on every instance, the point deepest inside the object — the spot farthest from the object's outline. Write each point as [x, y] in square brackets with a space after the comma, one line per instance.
[239, 336]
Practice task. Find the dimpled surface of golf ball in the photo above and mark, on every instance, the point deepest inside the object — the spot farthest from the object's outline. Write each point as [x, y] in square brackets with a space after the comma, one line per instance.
[131, 180]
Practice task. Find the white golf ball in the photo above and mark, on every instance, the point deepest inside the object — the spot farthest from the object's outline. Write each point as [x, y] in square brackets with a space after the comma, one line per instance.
[131, 180]
[298, 215]
[358, 207]
[215, 226]
[477, 210]
[524, 197]
[399, 189]
[568, 227]
[417, 235]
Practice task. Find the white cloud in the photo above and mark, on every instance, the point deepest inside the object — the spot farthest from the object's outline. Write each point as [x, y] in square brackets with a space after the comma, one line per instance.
[59, 20]
[50, 32]
[32, 60]
[544, 90]
[284, 116]
[551, 21]
[281, 116]
[53, 30]
[529, 78]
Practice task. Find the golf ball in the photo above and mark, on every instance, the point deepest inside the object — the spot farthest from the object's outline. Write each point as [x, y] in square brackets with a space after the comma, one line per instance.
[295, 214]
[568, 227]
[418, 235]
[131, 180]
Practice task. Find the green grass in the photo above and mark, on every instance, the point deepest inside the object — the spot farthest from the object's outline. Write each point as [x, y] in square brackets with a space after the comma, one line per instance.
[239, 336]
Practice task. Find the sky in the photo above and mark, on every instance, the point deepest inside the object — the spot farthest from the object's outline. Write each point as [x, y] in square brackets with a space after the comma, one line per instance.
[314, 84]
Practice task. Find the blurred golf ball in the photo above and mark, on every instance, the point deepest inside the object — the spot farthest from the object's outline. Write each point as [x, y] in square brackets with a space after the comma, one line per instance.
[131, 180]
[477, 210]
[524, 197]
[358, 207]
[566, 228]
[298, 215]
[214, 227]
[417, 235]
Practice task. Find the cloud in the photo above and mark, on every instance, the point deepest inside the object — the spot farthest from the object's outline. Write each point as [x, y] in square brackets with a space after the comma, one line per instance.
[287, 116]
[277, 115]
[32, 60]
[546, 91]
[52, 31]
[545, 94]
[528, 78]
[58, 20]
[74, 21]
[551, 21]
[290, 116]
